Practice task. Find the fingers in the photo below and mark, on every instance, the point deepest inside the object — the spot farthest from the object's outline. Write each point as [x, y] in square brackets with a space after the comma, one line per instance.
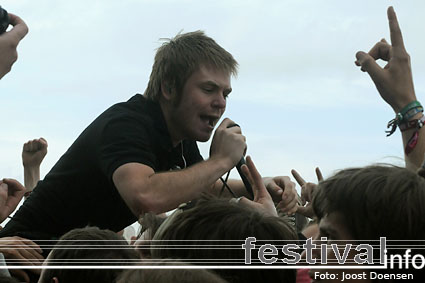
[19, 30]
[13, 185]
[381, 50]
[22, 251]
[307, 188]
[298, 177]
[368, 64]
[304, 210]
[255, 179]
[35, 145]
[255, 175]
[289, 201]
[34, 247]
[319, 174]
[3, 194]
[227, 123]
[43, 142]
[395, 32]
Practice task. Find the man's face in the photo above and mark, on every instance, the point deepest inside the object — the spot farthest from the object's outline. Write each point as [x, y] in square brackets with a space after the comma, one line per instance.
[202, 103]
[333, 227]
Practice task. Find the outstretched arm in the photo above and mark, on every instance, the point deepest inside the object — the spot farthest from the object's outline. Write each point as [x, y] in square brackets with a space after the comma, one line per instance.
[395, 85]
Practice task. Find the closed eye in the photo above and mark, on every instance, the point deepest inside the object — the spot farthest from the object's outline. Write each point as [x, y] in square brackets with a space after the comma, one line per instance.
[208, 89]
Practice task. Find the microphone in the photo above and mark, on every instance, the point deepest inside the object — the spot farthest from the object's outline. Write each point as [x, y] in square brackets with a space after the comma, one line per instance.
[238, 167]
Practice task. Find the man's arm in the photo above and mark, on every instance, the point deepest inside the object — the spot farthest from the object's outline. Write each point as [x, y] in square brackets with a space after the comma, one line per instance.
[395, 83]
[144, 190]
[9, 42]
[33, 153]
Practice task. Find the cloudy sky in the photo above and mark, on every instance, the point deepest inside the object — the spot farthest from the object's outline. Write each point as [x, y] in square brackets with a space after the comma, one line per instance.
[299, 98]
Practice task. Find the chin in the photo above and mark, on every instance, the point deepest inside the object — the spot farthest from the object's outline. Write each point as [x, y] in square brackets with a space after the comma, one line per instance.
[202, 137]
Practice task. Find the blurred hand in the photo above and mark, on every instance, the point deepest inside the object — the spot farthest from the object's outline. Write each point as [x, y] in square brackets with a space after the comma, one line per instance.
[307, 190]
[9, 42]
[20, 251]
[283, 191]
[11, 193]
[262, 199]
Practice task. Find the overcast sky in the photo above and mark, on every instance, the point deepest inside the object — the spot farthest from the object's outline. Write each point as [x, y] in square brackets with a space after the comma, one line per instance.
[299, 98]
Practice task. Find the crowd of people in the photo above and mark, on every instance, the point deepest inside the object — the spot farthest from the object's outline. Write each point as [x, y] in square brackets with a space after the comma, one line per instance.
[139, 160]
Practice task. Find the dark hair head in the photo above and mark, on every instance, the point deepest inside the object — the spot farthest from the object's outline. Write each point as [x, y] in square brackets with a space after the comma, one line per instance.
[375, 201]
[91, 246]
[216, 223]
[169, 275]
[178, 58]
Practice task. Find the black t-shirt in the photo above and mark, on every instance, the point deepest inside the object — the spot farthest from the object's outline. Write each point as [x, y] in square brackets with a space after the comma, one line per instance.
[79, 190]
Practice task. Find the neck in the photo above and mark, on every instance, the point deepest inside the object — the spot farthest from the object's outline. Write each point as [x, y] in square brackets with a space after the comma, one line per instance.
[176, 137]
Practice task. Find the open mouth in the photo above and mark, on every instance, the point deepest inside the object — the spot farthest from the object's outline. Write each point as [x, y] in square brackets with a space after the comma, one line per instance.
[210, 120]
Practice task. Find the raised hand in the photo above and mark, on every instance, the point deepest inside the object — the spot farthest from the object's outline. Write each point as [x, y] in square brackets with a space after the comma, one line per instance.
[394, 82]
[307, 190]
[395, 85]
[33, 152]
[262, 199]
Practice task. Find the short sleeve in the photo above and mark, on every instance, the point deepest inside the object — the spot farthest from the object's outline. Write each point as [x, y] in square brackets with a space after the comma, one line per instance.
[125, 140]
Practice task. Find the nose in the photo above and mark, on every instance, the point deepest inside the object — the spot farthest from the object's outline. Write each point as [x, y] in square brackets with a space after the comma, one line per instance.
[219, 101]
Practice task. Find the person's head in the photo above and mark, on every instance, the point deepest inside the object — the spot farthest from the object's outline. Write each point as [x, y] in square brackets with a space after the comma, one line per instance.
[368, 203]
[183, 274]
[213, 224]
[191, 80]
[178, 58]
[90, 246]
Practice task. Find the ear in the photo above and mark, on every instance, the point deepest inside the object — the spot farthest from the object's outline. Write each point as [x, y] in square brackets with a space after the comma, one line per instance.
[166, 91]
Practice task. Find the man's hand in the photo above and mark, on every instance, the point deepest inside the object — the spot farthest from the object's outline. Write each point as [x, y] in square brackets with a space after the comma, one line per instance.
[33, 152]
[307, 190]
[394, 82]
[262, 199]
[228, 144]
[9, 42]
[20, 251]
[11, 193]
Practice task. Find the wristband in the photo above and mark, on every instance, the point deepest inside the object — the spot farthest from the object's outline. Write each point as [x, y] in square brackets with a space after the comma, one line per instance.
[417, 123]
[407, 112]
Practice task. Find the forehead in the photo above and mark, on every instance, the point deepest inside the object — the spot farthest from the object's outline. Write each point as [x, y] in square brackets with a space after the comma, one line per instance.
[334, 223]
[205, 74]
